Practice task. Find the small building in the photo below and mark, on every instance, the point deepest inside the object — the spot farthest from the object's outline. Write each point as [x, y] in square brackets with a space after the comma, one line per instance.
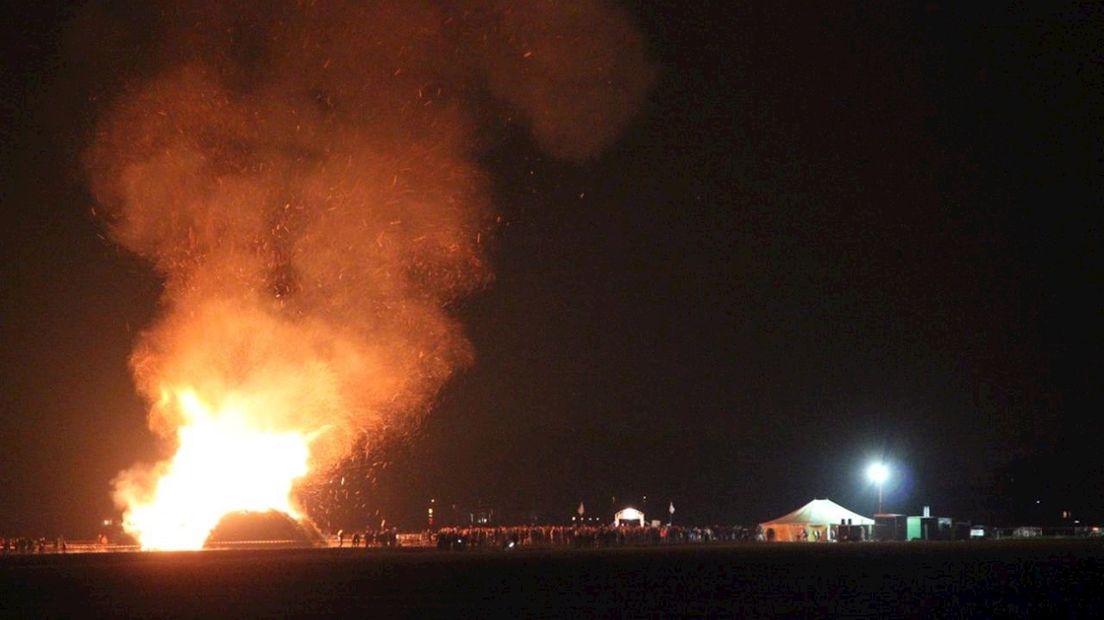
[930, 528]
[890, 526]
[962, 530]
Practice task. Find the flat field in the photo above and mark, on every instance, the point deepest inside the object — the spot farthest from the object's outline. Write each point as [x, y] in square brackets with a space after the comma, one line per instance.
[1041, 578]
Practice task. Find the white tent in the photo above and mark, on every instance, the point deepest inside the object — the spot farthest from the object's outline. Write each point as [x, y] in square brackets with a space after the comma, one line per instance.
[815, 521]
[629, 516]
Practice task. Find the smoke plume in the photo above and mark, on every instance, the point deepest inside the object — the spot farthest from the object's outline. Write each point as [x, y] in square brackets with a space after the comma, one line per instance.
[304, 177]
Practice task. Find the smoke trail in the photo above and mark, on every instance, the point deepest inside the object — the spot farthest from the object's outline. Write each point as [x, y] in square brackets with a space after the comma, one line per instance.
[303, 175]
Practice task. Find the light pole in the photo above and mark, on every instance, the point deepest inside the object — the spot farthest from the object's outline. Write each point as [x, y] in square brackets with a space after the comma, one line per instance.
[877, 473]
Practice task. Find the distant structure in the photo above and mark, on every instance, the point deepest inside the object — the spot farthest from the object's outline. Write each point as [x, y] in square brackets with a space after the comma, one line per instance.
[628, 516]
[821, 520]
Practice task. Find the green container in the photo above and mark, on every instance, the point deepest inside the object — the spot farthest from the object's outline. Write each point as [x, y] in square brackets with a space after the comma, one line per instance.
[915, 531]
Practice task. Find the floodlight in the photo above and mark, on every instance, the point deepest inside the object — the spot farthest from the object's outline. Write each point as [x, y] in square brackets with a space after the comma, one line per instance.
[877, 472]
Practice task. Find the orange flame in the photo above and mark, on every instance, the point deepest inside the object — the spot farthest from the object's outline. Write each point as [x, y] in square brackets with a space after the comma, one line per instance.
[224, 463]
[311, 190]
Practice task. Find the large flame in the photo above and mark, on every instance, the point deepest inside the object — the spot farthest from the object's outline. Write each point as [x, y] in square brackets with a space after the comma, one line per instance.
[308, 178]
[225, 462]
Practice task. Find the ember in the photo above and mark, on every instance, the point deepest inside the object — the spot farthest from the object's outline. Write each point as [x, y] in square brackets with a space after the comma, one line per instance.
[306, 179]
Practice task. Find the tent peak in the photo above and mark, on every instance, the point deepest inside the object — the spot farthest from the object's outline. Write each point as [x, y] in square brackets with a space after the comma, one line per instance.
[823, 512]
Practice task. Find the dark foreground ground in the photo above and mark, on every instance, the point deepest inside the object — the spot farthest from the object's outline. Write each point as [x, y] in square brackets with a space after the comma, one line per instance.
[982, 579]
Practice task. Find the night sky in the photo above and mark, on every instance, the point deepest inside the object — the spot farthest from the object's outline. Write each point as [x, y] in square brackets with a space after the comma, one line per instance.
[832, 234]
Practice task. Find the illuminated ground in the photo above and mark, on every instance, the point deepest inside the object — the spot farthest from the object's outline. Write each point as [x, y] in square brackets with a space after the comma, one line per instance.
[1040, 578]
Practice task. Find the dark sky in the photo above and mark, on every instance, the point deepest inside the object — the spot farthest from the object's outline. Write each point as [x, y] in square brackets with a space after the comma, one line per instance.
[832, 234]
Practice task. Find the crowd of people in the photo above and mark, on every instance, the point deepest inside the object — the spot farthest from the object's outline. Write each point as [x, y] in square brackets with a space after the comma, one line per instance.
[582, 537]
[484, 537]
[385, 538]
[32, 545]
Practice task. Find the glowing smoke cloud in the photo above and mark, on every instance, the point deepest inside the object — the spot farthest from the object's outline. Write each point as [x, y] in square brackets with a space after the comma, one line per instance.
[303, 175]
